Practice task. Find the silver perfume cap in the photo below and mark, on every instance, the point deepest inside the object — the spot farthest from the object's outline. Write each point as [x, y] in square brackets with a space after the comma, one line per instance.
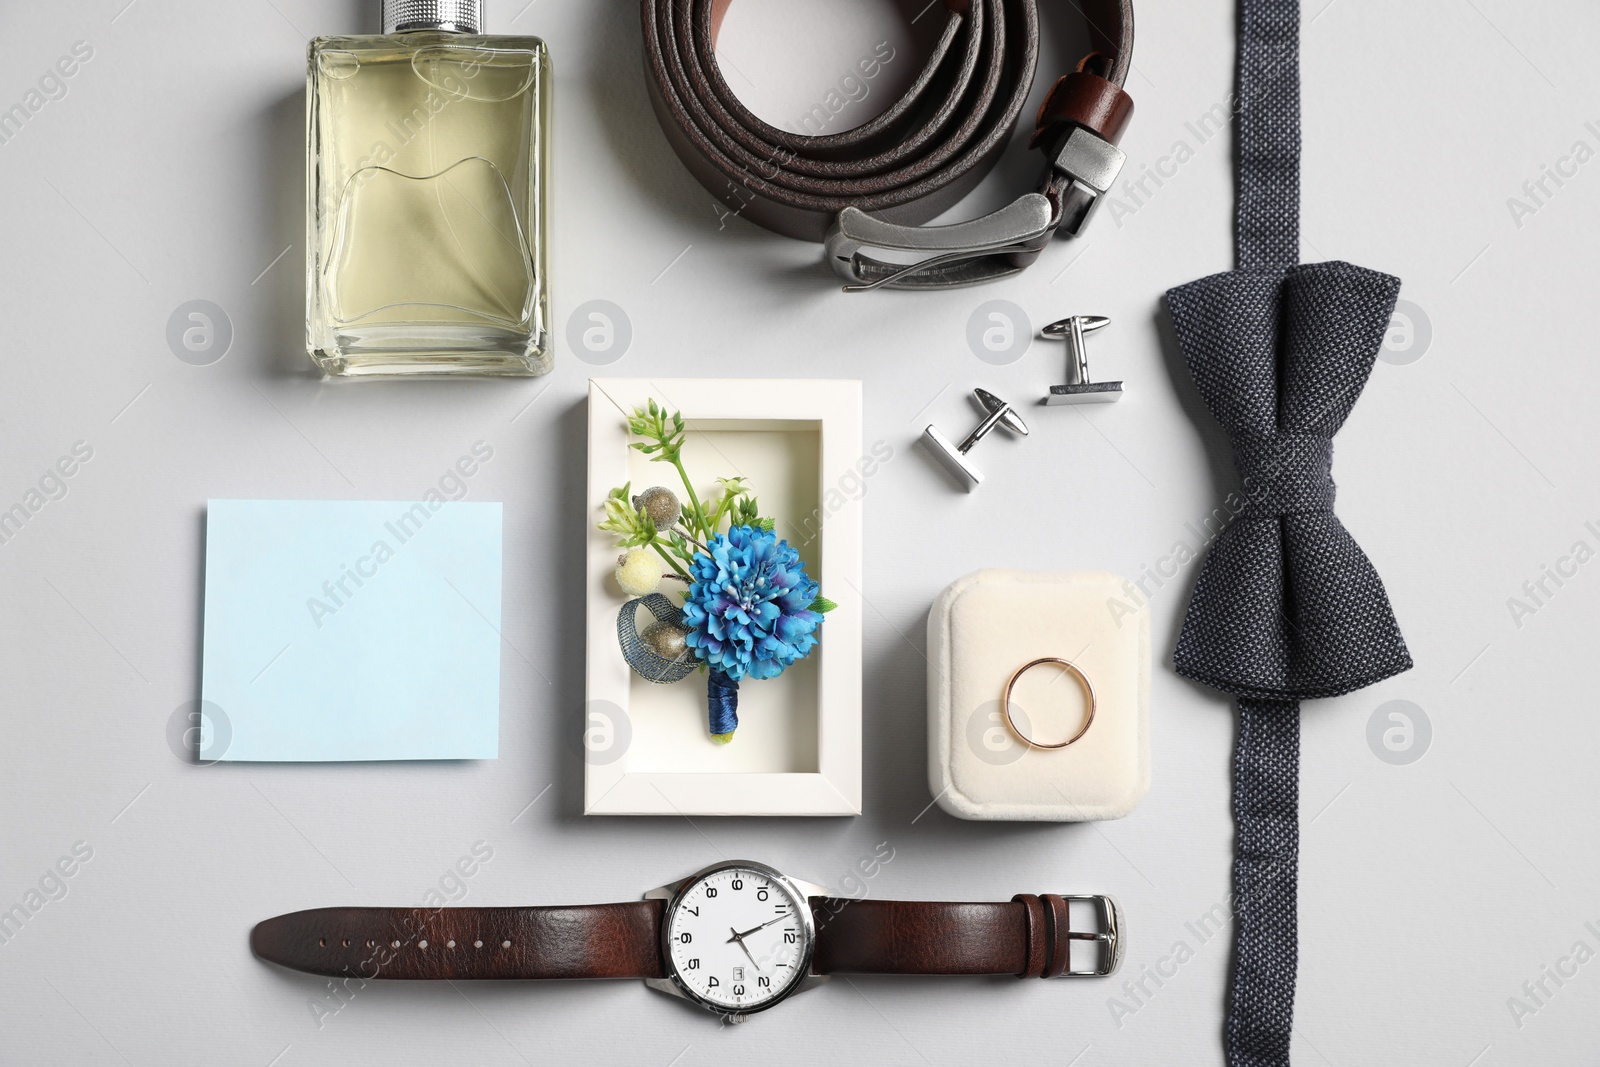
[448, 16]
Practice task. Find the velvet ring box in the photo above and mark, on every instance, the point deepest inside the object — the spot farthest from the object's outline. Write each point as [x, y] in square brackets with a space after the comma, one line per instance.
[981, 630]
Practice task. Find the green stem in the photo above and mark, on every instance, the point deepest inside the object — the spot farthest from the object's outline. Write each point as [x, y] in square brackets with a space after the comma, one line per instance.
[670, 561]
[694, 499]
[681, 547]
[687, 535]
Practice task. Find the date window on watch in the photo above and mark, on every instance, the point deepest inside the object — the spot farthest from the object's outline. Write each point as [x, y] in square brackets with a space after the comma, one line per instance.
[738, 974]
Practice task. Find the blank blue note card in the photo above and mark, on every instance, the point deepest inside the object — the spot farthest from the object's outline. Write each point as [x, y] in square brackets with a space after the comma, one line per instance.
[351, 630]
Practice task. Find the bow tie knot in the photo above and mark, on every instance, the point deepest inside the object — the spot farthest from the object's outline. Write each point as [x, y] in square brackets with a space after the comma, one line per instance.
[1286, 473]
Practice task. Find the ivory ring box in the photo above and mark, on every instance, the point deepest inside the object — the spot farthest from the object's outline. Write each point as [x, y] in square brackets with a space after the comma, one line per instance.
[981, 630]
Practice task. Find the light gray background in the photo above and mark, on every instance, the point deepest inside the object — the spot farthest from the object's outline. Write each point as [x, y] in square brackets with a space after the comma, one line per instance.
[1431, 893]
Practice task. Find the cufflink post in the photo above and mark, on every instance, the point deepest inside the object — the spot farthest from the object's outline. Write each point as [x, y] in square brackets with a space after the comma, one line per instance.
[996, 413]
[1079, 389]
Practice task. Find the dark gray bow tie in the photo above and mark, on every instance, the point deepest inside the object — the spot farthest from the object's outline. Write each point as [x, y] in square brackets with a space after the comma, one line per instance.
[1287, 606]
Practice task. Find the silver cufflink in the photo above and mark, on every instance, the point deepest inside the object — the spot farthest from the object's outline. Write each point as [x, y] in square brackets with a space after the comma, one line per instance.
[954, 457]
[1078, 388]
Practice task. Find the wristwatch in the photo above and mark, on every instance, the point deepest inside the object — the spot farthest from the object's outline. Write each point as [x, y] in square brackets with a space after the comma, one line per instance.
[735, 938]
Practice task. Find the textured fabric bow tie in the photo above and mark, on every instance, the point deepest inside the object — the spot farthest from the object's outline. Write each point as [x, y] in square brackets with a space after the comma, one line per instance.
[1287, 607]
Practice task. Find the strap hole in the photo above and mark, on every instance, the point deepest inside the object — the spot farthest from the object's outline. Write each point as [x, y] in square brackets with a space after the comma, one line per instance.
[347, 942]
[371, 943]
[505, 944]
[394, 944]
[422, 944]
[322, 942]
[477, 944]
[450, 944]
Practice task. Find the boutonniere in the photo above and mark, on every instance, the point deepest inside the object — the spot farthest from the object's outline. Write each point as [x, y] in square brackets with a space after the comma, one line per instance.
[745, 608]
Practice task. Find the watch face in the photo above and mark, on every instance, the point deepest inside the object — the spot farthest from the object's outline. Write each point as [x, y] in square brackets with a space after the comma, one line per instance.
[739, 937]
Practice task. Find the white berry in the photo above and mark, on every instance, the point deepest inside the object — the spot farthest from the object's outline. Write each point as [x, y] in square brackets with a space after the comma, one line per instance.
[639, 571]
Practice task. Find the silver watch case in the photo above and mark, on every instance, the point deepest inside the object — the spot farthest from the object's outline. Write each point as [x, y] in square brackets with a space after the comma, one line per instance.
[674, 985]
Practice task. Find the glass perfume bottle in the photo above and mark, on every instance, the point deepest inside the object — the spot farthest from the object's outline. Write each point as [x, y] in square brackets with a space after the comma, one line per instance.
[427, 176]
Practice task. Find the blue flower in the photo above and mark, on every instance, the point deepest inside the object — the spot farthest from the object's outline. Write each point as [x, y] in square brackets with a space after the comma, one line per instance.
[749, 606]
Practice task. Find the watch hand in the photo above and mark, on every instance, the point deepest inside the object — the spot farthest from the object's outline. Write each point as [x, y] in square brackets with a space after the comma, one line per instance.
[763, 926]
[738, 937]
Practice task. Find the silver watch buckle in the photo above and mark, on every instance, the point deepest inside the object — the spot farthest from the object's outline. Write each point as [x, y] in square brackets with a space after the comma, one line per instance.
[1109, 935]
[964, 253]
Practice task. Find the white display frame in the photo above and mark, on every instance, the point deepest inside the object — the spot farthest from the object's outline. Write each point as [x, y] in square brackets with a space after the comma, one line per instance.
[769, 416]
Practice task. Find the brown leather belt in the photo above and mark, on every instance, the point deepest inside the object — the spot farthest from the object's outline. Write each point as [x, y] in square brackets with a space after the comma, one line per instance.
[870, 187]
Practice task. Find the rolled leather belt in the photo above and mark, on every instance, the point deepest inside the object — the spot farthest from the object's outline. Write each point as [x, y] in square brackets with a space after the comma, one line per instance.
[871, 187]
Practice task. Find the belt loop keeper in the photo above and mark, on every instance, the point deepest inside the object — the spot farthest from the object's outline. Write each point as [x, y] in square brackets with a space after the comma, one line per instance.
[1082, 98]
[1035, 937]
[1058, 925]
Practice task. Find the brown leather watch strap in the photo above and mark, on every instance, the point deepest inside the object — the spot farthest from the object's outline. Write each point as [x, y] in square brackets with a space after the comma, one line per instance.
[593, 941]
[1026, 937]
[919, 157]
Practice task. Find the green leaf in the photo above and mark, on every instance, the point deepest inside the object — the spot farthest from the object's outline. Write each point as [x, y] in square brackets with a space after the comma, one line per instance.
[822, 605]
[633, 528]
[681, 548]
[725, 503]
[660, 441]
[746, 512]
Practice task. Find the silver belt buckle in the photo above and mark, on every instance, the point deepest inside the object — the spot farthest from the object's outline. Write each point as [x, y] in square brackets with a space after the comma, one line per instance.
[1109, 935]
[983, 250]
[946, 257]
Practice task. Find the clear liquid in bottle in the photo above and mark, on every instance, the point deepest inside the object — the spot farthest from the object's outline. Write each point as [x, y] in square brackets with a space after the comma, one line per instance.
[426, 223]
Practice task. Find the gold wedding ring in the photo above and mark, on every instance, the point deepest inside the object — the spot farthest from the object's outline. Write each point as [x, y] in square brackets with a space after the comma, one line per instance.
[1072, 668]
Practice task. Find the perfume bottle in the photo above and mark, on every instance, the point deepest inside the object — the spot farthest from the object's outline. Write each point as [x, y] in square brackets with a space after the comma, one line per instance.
[427, 177]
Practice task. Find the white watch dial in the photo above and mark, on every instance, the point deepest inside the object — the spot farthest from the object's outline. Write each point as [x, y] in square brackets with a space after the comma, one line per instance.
[739, 938]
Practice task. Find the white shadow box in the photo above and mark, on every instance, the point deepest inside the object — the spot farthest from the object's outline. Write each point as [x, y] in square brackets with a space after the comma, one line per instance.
[798, 747]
